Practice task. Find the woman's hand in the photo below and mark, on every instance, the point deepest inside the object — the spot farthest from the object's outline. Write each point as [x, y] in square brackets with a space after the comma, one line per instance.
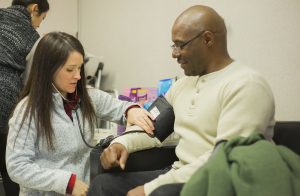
[142, 118]
[80, 188]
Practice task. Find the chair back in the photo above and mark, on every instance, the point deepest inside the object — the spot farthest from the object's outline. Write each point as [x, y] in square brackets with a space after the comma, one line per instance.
[287, 133]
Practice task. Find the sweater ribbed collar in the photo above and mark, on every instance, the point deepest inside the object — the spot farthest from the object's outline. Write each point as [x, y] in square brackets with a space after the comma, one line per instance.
[20, 11]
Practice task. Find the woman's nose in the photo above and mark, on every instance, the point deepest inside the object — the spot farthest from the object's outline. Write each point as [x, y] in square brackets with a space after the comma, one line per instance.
[77, 75]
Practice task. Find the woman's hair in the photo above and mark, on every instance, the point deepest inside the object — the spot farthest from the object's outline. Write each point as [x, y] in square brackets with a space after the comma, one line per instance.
[43, 5]
[51, 54]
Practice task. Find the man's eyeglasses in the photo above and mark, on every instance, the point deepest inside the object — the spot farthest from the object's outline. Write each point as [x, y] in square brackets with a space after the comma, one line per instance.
[177, 48]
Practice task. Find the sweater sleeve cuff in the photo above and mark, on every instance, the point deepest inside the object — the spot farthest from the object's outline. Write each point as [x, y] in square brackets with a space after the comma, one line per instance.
[71, 184]
[150, 186]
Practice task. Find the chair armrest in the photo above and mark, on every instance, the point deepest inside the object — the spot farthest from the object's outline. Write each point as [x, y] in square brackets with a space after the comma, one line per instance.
[151, 159]
[144, 160]
[95, 162]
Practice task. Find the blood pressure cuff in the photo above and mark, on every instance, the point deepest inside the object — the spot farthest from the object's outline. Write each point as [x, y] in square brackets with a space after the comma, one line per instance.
[164, 116]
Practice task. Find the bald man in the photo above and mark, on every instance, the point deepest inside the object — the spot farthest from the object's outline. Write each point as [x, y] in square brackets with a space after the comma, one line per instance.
[218, 99]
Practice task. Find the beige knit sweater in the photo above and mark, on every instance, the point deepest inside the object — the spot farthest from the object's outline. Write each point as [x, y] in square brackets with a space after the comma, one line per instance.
[220, 105]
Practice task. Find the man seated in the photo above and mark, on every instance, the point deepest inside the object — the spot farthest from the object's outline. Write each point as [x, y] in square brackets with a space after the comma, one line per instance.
[218, 99]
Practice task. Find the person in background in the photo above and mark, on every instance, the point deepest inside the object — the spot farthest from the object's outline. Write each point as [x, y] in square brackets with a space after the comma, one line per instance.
[218, 99]
[18, 34]
[52, 125]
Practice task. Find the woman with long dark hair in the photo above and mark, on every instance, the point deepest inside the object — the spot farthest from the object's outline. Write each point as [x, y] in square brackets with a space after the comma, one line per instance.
[17, 37]
[47, 152]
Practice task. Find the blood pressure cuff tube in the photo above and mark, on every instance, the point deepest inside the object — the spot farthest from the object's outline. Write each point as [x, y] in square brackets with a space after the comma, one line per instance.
[164, 116]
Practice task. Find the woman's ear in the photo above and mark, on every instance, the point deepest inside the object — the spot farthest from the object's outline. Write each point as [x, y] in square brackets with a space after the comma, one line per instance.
[33, 9]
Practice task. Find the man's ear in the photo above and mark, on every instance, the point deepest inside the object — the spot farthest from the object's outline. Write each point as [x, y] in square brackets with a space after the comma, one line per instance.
[209, 38]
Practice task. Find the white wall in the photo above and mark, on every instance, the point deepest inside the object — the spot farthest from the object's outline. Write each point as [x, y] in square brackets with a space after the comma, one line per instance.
[134, 37]
[62, 16]
[5, 3]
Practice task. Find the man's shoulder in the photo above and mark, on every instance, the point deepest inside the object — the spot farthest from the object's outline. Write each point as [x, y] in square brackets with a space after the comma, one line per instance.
[242, 71]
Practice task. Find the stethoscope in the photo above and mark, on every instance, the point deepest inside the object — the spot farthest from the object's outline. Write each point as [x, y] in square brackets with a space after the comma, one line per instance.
[104, 142]
[77, 117]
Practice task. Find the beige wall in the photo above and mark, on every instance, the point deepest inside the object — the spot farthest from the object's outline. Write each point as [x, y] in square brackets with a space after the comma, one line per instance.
[134, 37]
[62, 16]
[5, 3]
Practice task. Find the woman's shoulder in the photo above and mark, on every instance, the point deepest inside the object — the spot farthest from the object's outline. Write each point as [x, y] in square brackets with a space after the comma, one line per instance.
[94, 92]
[17, 19]
[22, 104]
[19, 110]
[97, 94]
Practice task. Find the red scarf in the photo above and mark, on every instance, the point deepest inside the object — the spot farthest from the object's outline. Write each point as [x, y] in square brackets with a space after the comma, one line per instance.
[71, 103]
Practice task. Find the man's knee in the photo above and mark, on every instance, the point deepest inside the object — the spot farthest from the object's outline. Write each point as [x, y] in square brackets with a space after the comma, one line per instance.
[168, 190]
[101, 184]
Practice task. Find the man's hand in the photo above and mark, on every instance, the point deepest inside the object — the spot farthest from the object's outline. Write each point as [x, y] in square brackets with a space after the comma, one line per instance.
[142, 118]
[114, 156]
[137, 191]
[80, 188]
